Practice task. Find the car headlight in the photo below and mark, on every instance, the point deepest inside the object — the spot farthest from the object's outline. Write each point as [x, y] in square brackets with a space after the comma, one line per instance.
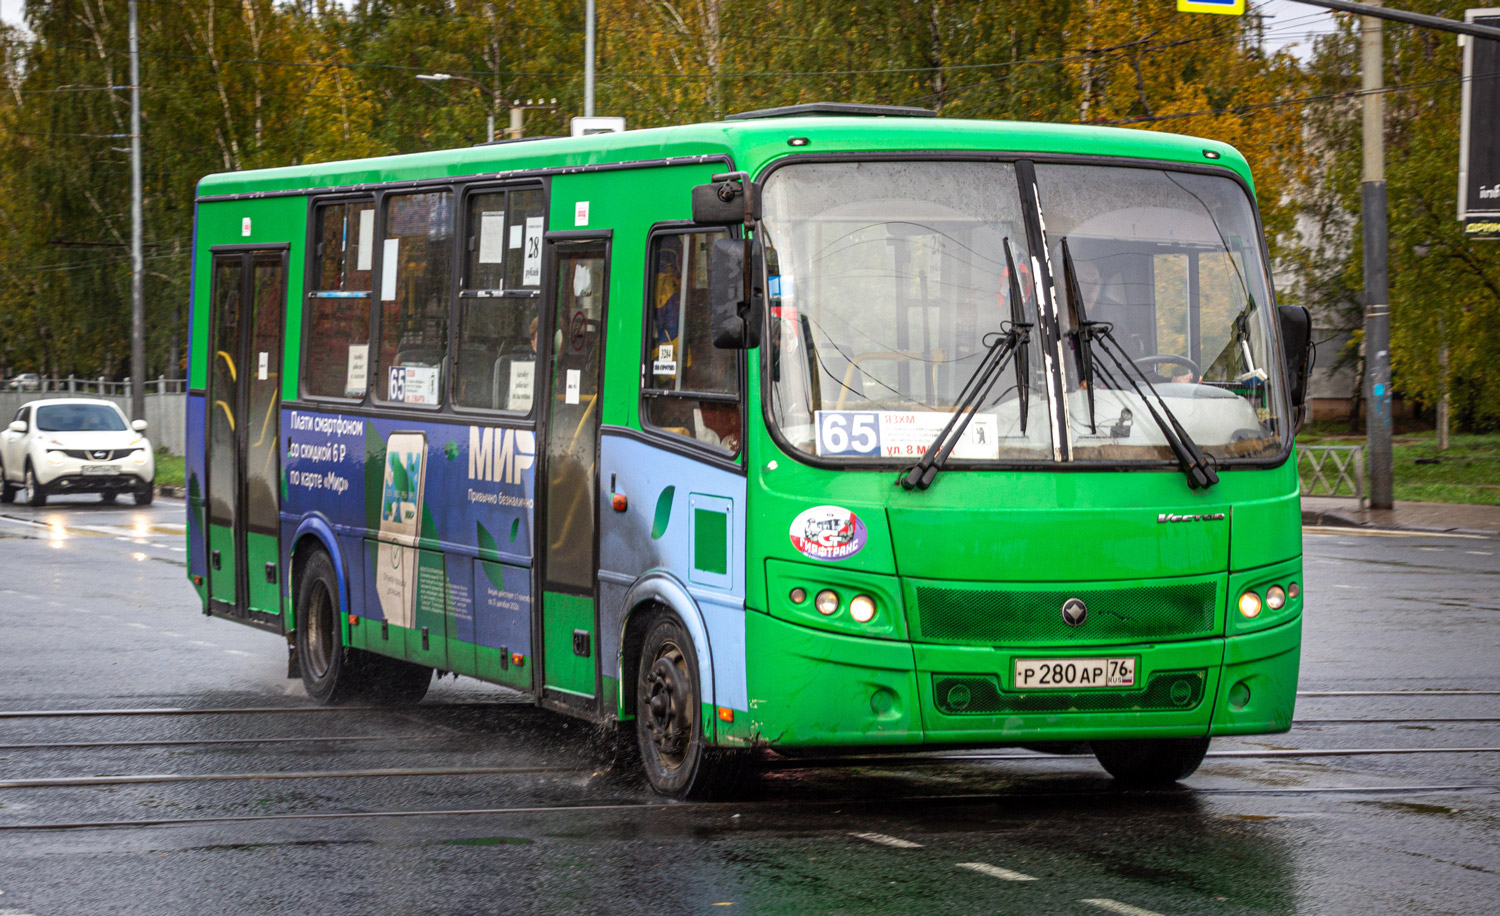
[54, 457]
[138, 456]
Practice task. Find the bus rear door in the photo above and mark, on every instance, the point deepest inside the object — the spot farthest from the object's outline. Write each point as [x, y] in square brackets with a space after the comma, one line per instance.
[243, 468]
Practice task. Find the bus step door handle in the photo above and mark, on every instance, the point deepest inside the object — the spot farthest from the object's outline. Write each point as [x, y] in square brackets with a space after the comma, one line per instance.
[218, 561]
[385, 629]
[271, 573]
[581, 643]
[424, 639]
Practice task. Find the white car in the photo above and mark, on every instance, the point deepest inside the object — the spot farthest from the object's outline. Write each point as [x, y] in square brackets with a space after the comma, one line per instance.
[75, 445]
[26, 381]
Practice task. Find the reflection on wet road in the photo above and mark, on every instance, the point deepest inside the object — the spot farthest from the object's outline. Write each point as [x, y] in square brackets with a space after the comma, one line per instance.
[154, 761]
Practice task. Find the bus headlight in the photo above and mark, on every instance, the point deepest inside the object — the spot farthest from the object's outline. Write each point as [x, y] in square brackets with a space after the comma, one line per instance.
[1250, 605]
[1275, 598]
[862, 608]
[827, 602]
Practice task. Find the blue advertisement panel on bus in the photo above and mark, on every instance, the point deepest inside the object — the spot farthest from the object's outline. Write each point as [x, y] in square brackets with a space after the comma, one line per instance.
[462, 571]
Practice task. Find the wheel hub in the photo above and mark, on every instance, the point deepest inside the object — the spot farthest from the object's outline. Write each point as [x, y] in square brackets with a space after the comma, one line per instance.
[668, 718]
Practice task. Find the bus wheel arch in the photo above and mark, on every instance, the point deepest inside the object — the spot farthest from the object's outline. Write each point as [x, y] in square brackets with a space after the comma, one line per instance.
[656, 594]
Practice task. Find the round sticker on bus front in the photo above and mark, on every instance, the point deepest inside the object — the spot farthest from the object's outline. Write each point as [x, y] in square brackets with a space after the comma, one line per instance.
[828, 533]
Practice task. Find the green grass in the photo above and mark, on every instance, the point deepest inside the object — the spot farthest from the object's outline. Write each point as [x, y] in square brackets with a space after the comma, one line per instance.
[171, 470]
[1468, 472]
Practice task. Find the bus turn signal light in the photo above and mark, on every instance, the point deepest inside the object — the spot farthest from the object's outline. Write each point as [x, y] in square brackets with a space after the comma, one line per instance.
[726, 714]
[517, 659]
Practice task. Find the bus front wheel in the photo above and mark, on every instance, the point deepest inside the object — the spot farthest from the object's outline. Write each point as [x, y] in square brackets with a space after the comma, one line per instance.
[1151, 761]
[675, 752]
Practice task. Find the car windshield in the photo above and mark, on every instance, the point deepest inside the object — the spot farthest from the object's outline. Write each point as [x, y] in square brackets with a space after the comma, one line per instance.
[67, 418]
[888, 281]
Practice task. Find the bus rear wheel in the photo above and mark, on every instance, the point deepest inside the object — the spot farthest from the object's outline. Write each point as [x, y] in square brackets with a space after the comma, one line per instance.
[334, 673]
[1151, 761]
[675, 752]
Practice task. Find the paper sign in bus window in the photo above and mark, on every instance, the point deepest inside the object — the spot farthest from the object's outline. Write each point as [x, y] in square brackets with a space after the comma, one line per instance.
[531, 274]
[492, 237]
[388, 270]
[366, 236]
[359, 371]
[522, 382]
[574, 382]
[515, 236]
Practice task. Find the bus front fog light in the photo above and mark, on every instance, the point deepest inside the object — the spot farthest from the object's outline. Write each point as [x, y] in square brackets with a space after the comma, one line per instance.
[1250, 605]
[862, 608]
[827, 602]
[1275, 597]
[798, 595]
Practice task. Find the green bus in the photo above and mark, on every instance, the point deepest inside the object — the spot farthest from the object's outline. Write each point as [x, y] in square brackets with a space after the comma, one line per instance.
[831, 426]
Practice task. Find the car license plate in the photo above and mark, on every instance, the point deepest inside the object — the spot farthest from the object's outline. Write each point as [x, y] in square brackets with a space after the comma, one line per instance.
[1064, 673]
[99, 470]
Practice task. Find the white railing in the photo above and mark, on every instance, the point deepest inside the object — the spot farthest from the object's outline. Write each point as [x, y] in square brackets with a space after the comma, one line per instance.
[79, 385]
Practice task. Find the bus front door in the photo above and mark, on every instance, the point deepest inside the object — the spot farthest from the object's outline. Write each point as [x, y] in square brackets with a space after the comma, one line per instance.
[569, 554]
[248, 298]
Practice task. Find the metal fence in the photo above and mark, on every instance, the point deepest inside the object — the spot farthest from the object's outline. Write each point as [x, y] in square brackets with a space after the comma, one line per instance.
[78, 385]
[1332, 470]
[166, 411]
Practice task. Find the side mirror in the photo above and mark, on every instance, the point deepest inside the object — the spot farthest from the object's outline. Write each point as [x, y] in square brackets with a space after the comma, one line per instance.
[138, 425]
[18, 426]
[1296, 336]
[736, 298]
[733, 199]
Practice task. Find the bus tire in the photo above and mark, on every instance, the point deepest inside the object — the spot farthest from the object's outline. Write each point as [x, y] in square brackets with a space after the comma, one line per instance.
[675, 753]
[1151, 761]
[331, 671]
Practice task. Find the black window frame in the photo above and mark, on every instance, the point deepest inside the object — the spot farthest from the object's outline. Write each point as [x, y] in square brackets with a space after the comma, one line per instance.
[644, 393]
[382, 213]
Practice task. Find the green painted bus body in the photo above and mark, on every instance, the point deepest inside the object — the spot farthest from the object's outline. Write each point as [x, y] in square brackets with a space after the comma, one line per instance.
[813, 680]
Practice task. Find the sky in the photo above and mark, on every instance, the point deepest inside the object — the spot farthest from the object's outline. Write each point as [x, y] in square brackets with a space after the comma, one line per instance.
[1289, 22]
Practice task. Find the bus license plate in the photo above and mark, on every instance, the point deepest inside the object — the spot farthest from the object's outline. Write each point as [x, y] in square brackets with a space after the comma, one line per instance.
[100, 470]
[1064, 673]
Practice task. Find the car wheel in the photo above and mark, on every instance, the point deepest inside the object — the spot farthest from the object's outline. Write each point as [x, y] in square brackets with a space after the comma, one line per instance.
[675, 753]
[7, 492]
[32, 491]
[144, 494]
[1151, 761]
[109, 497]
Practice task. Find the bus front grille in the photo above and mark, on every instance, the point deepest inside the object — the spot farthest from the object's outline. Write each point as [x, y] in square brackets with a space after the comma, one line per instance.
[980, 695]
[1010, 616]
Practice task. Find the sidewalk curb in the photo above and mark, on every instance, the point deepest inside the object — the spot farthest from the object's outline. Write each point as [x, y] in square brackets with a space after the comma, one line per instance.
[1325, 519]
[172, 492]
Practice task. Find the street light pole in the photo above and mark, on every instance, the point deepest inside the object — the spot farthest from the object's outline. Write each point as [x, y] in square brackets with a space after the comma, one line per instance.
[137, 260]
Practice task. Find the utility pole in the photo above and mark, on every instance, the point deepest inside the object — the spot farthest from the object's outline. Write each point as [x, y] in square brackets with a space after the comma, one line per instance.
[588, 63]
[137, 260]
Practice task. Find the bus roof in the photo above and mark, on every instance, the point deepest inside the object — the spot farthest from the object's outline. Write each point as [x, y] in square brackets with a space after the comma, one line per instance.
[751, 144]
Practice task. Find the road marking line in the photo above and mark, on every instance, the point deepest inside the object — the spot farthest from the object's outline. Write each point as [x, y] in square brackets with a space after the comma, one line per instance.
[995, 871]
[238, 652]
[1115, 906]
[170, 633]
[1480, 553]
[208, 645]
[138, 626]
[894, 842]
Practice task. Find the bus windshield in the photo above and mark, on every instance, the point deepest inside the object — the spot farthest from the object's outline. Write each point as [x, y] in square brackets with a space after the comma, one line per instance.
[889, 280]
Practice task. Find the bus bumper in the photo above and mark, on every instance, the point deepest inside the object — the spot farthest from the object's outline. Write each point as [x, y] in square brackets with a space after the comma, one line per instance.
[809, 687]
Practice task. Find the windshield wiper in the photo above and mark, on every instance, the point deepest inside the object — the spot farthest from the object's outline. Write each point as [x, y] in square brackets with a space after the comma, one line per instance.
[1007, 343]
[1195, 465]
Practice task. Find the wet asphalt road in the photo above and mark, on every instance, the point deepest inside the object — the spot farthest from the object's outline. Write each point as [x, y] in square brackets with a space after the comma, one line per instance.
[96, 614]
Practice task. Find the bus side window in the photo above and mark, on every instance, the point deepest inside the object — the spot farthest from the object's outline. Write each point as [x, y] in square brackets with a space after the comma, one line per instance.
[338, 307]
[497, 306]
[417, 274]
[691, 388]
